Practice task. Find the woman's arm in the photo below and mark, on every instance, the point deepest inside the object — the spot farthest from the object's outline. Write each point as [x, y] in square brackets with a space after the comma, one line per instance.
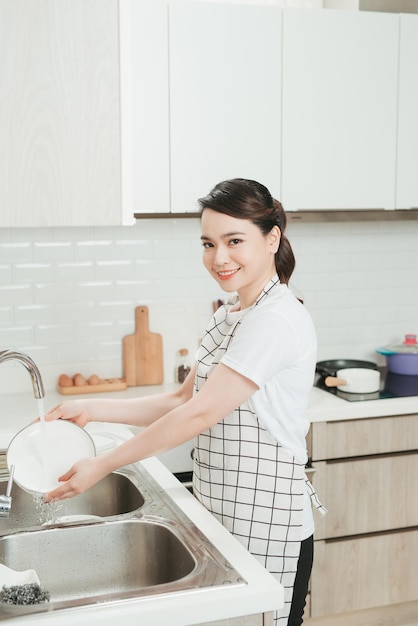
[224, 390]
[134, 411]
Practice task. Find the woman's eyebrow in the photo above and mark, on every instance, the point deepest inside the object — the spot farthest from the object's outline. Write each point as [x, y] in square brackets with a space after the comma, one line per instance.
[233, 234]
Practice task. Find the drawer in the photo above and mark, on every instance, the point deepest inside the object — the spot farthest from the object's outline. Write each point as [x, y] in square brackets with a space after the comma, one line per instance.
[362, 573]
[378, 435]
[367, 494]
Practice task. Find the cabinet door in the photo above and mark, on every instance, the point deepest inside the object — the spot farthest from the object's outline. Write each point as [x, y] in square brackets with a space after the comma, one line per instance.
[339, 109]
[367, 495]
[360, 573]
[225, 97]
[407, 166]
[150, 106]
[60, 113]
[361, 437]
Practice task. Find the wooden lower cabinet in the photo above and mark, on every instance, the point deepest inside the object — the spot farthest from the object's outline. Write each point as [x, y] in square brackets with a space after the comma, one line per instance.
[367, 494]
[364, 572]
[366, 547]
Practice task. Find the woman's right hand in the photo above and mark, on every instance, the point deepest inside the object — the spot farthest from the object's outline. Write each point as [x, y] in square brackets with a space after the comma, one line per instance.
[76, 411]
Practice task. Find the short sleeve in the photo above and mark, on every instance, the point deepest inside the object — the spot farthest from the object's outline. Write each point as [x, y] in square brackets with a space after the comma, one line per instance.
[265, 343]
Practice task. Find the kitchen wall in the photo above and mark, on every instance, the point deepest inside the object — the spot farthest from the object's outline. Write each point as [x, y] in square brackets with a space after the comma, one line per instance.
[67, 296]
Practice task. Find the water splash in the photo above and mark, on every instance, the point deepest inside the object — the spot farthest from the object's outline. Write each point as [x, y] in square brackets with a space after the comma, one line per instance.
[48, 513]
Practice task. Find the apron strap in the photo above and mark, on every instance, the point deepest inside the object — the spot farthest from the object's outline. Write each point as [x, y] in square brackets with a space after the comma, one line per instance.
[314, 498]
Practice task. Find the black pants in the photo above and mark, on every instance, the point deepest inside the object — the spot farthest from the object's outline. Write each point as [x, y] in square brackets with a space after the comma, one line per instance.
[300, 588]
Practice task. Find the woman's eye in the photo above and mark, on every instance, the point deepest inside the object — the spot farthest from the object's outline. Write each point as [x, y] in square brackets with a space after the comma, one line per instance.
[207, 244]
[235, 242]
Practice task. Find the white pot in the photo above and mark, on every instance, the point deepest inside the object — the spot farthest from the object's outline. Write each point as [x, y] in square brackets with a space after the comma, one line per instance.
[355, 380]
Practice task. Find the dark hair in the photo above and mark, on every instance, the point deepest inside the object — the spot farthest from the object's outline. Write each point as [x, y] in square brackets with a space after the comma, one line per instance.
[247, 199]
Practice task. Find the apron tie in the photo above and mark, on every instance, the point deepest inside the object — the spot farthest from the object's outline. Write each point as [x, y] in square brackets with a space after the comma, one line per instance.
[314, 498]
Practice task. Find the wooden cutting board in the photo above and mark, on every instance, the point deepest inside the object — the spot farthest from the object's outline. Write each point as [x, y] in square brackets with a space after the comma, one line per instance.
[143, 353]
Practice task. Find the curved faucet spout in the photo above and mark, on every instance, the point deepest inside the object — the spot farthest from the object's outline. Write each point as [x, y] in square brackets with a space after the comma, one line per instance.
[13, 355]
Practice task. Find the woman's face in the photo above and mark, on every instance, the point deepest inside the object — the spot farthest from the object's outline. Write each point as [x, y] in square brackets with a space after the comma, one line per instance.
[237, 254]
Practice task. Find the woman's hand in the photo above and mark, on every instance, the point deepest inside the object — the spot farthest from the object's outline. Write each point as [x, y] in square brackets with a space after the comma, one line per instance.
[76, 411]
[82, 475]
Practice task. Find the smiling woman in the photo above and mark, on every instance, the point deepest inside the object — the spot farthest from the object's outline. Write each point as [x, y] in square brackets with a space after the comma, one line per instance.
[244, 399]
[249, 468]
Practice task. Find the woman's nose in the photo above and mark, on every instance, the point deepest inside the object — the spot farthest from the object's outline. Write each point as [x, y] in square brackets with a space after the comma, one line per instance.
[221, 255]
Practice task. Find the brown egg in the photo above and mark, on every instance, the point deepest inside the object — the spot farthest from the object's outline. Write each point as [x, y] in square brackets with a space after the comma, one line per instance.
[79, 380]
[65, 381]
[94, 380]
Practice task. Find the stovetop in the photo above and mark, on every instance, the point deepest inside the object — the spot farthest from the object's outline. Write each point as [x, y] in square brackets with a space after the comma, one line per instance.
[391, 386]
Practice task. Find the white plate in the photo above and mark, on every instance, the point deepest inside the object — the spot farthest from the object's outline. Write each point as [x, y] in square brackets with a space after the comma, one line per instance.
[43, 451]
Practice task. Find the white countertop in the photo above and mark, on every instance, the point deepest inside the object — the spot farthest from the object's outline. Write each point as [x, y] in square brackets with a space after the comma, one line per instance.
[326, 407]
[17, 410]
[261, 594]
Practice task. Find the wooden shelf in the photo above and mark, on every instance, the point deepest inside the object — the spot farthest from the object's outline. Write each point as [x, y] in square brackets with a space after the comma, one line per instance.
[306, 217]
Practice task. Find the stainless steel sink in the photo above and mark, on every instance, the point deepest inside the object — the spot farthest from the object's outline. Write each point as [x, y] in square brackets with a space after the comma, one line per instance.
[134, 543]
[115, 495]
[120, 558]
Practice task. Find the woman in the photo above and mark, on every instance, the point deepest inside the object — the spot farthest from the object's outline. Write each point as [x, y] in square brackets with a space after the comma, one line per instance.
[244, 400]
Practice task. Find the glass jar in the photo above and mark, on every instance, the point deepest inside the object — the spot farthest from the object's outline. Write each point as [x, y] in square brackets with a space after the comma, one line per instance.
[183, 366]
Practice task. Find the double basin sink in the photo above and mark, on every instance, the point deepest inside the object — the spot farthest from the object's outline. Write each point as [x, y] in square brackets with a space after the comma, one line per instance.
[125, 538]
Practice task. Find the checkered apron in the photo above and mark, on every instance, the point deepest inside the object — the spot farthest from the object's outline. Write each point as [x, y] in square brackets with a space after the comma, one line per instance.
[251, 484]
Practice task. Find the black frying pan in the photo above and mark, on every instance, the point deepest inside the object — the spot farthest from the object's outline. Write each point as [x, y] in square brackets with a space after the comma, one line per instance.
[330, 368]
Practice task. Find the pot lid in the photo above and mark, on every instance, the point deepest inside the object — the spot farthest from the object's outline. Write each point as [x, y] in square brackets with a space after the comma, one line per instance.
[409, 346]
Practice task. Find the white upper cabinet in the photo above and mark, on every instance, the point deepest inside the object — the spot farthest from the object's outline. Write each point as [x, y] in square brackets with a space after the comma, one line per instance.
[64, 129]
[150, 106]
[225, 97]
[407, 166]
[339, 109]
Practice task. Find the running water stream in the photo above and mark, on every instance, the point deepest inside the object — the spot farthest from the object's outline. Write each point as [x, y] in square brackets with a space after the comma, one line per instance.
[44, 445]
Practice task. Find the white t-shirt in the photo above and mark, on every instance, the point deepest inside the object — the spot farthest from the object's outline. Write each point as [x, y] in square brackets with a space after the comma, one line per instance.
[275, 346]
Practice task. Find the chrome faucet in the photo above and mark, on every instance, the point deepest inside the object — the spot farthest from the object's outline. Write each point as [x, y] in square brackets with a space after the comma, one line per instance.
[6, 501]
[13, 355]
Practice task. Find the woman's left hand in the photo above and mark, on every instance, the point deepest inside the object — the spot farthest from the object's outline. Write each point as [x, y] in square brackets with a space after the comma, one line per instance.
[80, 477]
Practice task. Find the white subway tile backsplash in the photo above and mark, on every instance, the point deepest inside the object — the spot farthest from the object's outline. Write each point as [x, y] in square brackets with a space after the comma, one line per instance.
[5, 274]
[55, 333]
[34, 314]
[45, 293]
[5, 235]
[33, 272]
[16, 335]
[56, 251]
[113, 270]
[134, 249]
[91, 249]
[67, 295]
[109, 350]
[116, 310]
[134, 290]
[16, 294]
[70, 354]
[29, 234]
[75, 312]
[75, 272]
[93, 291]
[98, 331]
[6, 316]
[15, 252]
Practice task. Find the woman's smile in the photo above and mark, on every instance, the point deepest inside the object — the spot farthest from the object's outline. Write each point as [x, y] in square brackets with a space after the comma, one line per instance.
[226, 274]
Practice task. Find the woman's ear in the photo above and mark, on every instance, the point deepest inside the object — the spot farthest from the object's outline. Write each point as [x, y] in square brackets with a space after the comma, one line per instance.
[274, 238]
